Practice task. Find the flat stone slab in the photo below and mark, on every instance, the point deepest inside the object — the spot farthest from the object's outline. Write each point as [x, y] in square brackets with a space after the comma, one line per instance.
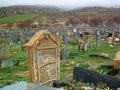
[7, 63]
[27, 86]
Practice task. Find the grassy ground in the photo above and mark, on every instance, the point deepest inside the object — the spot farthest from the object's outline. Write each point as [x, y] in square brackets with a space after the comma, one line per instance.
[20, 73]
[16, 18]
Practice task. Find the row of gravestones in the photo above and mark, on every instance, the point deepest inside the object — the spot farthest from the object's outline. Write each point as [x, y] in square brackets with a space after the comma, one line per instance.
[25, 34]
[18, 36]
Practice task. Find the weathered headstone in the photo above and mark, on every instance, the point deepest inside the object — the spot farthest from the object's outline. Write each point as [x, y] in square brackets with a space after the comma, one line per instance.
[117, 60]
[4, 49]
[61, 36]
[110, 40]
[65, 37]
[43, 58]
[7, 63]
[98, 38]
[81, 45]
[85, 45]
[64, 53]
[89, 39]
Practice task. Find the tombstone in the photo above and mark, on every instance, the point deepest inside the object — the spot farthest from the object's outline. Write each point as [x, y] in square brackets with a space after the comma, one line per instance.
[81, 45]
[43, 58]
[85, 45]
[117, 60]
[61, 36]
[75, 35]
[89, 39]
[98, 38]
[64, 54]
[4, 49]
[79, 40]
[110, 40]
[65, 37]
[83, 34]
[119, 28]
[7, 63]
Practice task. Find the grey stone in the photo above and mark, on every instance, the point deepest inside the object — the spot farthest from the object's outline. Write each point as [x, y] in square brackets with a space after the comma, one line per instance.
[28, 86]
[64, 53]
[66, 38]
[85, 46]
[98, 38]
[7, 63]
[98, 41]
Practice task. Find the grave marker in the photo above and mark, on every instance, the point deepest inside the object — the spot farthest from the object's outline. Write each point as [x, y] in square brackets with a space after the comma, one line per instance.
[98, 38]
[117, 60]
[4, 49]
[43, 58]
[64, 53]
[66, 38]
[7, 63]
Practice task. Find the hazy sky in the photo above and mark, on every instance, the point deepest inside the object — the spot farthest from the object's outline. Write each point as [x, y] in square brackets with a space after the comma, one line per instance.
[63, 3]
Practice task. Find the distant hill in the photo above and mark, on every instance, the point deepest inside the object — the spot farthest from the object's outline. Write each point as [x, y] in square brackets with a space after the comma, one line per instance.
[30, 9]
[48, 14]
[19, 10]
[100, 10]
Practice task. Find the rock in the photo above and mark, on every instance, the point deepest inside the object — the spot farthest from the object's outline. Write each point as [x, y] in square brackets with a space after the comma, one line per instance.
[7, 63]
[105, 54]
[86, 88]
[117, 39]
[27, 86]
[111, 45]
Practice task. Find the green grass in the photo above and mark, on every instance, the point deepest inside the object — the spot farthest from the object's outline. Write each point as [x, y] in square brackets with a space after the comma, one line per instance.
[16, 18]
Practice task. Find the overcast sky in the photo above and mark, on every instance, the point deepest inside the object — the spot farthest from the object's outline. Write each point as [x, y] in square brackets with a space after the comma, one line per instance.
[62, 3]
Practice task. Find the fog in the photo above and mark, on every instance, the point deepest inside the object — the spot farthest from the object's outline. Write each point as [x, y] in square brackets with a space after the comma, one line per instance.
[63, 3]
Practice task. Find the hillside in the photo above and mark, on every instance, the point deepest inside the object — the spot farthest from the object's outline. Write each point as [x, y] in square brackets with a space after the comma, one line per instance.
[19, 10]
[48, 15]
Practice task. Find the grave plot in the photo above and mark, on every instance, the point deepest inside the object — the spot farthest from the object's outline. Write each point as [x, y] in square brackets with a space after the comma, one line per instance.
[43, 57]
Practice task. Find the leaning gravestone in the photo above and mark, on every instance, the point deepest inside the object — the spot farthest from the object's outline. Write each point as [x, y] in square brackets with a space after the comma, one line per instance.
[43, 58]
[4, 49]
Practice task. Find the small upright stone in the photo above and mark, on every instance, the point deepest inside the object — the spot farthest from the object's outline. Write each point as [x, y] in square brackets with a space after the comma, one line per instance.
[7, 63]
[117, 60]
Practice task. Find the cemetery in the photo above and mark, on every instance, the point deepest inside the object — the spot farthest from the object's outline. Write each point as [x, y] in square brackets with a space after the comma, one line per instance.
[43, 48]
[70, 59]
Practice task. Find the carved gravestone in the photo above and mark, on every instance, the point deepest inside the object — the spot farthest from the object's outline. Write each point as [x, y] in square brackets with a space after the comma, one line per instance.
[43, 58]
[4, 49]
